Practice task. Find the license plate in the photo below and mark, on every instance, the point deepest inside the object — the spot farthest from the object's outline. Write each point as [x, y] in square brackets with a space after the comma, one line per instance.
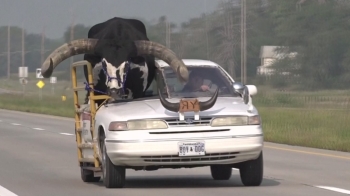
[191, 148]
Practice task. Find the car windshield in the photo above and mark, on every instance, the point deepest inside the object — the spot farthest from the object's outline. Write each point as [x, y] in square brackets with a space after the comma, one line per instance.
[203, 82]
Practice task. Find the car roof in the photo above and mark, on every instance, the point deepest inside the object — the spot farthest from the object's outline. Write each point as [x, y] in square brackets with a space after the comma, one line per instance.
[190, 62]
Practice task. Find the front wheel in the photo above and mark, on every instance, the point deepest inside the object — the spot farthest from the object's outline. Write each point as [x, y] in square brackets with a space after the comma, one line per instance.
[252, 171]
[113, 176]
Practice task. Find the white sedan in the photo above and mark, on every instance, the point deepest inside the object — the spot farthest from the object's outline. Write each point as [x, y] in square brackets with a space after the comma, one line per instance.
[210, 122]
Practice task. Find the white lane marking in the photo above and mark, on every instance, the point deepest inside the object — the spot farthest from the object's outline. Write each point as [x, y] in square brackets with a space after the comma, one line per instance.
[5, 192]
[66, 134]
[40, 129]
[339, 190]
[235, 169]
[15, 124]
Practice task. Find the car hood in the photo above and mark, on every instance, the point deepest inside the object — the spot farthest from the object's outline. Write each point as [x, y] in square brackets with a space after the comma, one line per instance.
[153, 108]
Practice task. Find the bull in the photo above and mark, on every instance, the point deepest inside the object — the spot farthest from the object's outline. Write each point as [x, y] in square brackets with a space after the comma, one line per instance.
[122, 57]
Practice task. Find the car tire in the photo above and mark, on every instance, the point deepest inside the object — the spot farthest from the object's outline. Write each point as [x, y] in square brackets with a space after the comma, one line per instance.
[221, 172]
[88, 176]
[113, 176]
[252, 171]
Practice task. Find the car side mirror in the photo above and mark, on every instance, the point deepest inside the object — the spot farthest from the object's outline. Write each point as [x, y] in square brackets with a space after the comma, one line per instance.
[246, 91]
[252, 89]
[238, 87]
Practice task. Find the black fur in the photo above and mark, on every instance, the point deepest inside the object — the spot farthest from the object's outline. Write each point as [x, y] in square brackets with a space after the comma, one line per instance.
[116, 45]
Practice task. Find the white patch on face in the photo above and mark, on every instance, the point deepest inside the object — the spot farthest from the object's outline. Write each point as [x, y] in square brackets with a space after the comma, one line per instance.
[96, 72]
[122, 73]
[144, 70]
[112, 72]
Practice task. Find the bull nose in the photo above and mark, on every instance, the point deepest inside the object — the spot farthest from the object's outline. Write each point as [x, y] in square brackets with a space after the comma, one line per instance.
[113, 93]
[116, 93]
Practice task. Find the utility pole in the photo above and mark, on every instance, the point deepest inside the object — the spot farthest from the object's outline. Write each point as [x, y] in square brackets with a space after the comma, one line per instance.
[23, 52]
[167, 33]
[71, 39]
[72, 34]
[206, 28]
[243, 42]
[43, 45]
[8, 52]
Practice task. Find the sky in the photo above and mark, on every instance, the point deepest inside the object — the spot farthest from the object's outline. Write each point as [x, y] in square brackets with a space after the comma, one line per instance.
[57, 15]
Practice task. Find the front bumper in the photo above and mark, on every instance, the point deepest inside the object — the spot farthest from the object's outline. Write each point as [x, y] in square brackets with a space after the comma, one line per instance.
[219, 149]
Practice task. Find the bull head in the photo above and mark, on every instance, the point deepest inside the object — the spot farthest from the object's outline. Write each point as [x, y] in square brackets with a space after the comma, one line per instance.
[115, 77]
[131, 49]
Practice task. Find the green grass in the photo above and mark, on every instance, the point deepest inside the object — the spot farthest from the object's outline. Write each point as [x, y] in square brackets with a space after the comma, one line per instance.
[318, 128]
[312, 119]
[51, 105]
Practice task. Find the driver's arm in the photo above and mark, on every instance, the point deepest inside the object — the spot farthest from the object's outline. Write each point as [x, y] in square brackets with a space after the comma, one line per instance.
[206, 88]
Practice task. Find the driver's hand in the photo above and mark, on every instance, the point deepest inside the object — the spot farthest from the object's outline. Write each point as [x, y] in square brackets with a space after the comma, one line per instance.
[204, 87]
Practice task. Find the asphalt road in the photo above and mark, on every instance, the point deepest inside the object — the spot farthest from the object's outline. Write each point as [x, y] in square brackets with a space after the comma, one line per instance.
[38, 157]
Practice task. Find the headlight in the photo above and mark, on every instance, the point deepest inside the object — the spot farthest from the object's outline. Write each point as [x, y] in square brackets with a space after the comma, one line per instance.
[137, 125]
[254, 120]
[236, 121]
[118, 126]
[146, 124]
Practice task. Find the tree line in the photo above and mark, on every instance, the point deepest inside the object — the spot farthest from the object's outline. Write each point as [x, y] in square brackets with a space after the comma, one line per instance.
[317, 30]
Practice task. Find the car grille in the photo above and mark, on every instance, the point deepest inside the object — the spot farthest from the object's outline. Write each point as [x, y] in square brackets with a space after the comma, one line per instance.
[204, 121]
[176, 158]
[193, 131]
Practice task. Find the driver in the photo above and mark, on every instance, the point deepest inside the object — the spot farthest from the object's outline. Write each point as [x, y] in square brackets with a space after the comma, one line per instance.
[195, 83]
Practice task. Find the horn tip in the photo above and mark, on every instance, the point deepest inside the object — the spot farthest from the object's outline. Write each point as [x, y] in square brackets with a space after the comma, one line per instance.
[46, 71]
[183, 73]
[167, 105]
[211, 102]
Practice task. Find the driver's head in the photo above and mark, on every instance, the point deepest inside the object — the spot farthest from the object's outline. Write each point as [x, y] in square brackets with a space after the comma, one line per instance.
[195, 80]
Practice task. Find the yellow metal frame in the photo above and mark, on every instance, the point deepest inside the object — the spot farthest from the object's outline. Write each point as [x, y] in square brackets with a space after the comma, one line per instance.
[93, 110]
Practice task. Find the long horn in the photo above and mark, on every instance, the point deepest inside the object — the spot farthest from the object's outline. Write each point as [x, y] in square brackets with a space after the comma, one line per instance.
[165, 54]
[75, 47]
[82, 46]
[175, 107]
[210, 103]
[168, 105]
